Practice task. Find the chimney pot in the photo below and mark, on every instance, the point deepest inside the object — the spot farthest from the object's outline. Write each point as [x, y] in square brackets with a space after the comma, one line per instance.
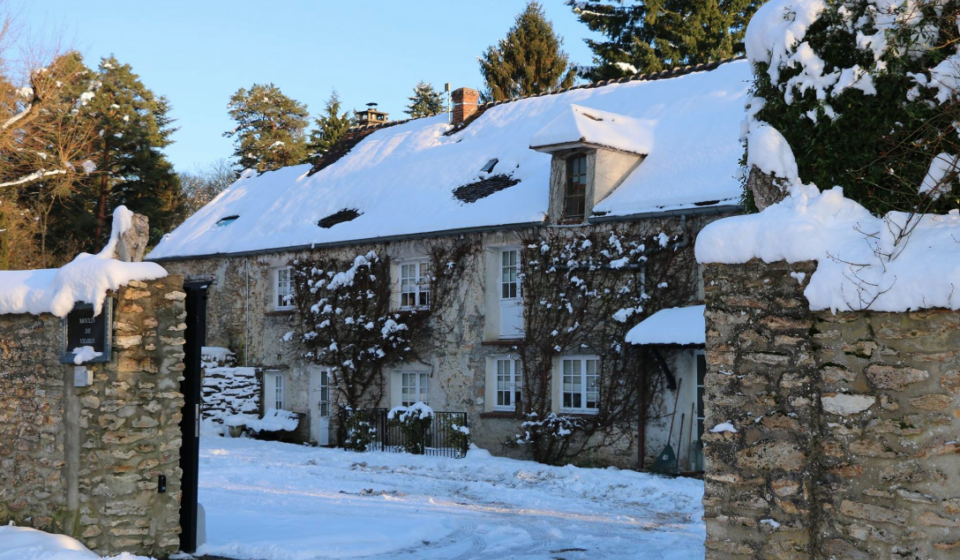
[465, 102]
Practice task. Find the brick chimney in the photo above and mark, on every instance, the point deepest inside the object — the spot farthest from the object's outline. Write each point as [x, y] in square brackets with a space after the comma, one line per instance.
[465, 102]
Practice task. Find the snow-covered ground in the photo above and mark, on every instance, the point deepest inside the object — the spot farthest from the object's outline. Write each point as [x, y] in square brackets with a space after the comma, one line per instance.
[274, 501]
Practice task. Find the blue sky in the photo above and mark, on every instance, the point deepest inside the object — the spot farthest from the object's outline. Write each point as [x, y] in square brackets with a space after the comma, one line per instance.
[197, 53]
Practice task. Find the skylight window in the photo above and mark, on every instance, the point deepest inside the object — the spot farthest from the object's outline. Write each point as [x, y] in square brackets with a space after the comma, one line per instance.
[488, 167]
[223, 222]
[339, 217]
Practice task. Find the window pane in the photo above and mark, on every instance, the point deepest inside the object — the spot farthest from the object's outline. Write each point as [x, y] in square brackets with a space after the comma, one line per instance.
[701, 369]
[575, 196]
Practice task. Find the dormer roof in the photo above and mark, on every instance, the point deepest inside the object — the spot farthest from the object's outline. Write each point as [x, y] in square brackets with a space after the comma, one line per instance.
[585, 126]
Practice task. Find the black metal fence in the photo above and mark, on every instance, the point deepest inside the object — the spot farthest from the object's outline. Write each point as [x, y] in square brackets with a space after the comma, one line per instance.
[370, 429]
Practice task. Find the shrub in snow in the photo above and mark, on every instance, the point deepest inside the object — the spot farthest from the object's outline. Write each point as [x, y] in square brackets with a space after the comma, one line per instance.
[413, 421]
[553, 428]
[457, 436]
[860, 94]
[359, 430]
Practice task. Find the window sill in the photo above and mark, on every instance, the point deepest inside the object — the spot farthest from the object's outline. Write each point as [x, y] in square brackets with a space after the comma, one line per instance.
[579, 412]
[503, 342]
[505, 414]
[279, 312]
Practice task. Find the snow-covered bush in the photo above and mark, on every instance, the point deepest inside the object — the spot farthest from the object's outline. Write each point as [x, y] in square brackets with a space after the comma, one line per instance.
[359, 431]
[457, 436]
[855, 115]
[551, 428]
[414, 421]
[860, 94]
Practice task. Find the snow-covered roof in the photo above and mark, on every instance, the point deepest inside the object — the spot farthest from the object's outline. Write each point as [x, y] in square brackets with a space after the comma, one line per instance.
[400, 180]
[581, 125]
[86, 278]
[676, 325]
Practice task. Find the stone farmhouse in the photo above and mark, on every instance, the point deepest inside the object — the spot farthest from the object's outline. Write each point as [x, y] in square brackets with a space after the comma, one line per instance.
[654, 155]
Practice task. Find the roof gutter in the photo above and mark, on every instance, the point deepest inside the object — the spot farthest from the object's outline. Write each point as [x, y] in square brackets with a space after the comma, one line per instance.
[705, 210]
[695, 211]
[349, 242]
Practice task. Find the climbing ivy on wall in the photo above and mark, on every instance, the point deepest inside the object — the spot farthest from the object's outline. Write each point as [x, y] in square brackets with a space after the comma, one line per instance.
[349, 321]
[583, 289]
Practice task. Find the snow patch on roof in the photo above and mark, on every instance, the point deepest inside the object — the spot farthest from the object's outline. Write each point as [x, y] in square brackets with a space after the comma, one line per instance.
[676, 325]
[87, 278]
[592, 126]
[402, 178]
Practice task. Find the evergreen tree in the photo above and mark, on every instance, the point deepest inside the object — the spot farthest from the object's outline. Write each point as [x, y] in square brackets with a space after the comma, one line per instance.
[133, 126]
[528, 61]
[270, 128]
[649, 36]
[330, 127]
[424, 102]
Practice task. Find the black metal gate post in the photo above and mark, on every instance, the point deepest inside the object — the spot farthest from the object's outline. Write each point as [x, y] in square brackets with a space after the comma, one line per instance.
[196, 305]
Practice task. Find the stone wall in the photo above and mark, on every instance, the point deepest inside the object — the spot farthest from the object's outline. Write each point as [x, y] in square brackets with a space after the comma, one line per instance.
[86, 461]
[32, 490]
[847, 424]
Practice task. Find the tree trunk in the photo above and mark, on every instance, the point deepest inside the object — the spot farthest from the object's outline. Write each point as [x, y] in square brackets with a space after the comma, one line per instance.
[102, 201]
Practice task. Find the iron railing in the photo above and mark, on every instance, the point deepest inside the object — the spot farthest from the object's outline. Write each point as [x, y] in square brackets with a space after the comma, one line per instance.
[372, 430]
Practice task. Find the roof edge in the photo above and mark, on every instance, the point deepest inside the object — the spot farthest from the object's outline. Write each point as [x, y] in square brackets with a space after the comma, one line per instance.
[450, 232]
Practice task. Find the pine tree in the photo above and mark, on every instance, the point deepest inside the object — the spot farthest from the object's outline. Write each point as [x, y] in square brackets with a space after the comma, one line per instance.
[133, 127]
[649, 36]
[424, 102]
[270, 128]
[528, 61]
[330, 127]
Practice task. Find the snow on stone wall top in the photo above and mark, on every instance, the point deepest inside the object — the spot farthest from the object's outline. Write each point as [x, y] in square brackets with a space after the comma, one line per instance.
[677, 325]
[591, 126]
[861, 262]
[401, 179]
[86, 278]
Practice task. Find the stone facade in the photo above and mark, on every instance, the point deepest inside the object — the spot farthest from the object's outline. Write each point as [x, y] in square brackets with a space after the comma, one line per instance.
[86, 461]
[847, 424]
[243, 316]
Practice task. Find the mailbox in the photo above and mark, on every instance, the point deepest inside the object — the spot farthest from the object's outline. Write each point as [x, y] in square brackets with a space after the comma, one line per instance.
[82, 329]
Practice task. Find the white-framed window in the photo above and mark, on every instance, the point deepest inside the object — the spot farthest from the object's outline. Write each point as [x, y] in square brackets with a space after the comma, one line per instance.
[414, 284]
[283, 288]
[414, 388]
[580, 378]
[273, 390]
[508, 384]
[509, 274]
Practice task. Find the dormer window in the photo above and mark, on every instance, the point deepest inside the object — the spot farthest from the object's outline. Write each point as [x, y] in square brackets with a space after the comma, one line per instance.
[593, 153]
[575, 197]
[223, 222]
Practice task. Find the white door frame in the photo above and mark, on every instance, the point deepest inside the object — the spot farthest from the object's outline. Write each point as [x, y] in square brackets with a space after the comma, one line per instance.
[320, 390]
